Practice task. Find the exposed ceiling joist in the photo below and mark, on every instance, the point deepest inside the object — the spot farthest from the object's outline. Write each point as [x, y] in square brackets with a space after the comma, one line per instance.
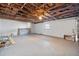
[32, 11]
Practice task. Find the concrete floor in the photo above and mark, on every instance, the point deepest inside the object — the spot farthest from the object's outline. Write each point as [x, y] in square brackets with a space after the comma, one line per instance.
[39, 45]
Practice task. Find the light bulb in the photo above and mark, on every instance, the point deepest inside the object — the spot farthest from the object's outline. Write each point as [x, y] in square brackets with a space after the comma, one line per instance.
[40, 17]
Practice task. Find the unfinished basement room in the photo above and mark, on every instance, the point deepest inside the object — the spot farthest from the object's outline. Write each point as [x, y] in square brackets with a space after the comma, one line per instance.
[39, 29]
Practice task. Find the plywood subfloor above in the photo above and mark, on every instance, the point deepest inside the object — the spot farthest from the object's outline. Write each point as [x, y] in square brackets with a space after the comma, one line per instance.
[38, 12]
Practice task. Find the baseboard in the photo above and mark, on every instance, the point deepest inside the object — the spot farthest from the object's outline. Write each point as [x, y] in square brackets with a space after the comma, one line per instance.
[49, 36]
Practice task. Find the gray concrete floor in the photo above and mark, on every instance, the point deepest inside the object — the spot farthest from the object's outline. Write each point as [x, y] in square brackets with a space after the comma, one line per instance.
[39, 45]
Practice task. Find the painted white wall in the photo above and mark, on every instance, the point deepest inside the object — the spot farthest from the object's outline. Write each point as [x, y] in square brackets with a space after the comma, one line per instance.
[57, 28]
[10, 26]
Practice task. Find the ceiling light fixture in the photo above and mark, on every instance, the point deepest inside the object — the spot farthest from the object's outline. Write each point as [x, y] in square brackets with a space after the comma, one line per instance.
[40, 17]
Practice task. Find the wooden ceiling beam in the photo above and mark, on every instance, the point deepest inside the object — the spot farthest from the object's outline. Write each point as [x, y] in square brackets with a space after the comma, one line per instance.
[20, 8]
[65, 15]
[28, 11]
[29, 8]
[68, 7]
[59, 13]
[56, 6]
[53, 8]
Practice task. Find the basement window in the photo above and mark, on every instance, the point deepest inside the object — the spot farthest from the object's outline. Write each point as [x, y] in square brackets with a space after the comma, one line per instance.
[47, 26]
[29, 25]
